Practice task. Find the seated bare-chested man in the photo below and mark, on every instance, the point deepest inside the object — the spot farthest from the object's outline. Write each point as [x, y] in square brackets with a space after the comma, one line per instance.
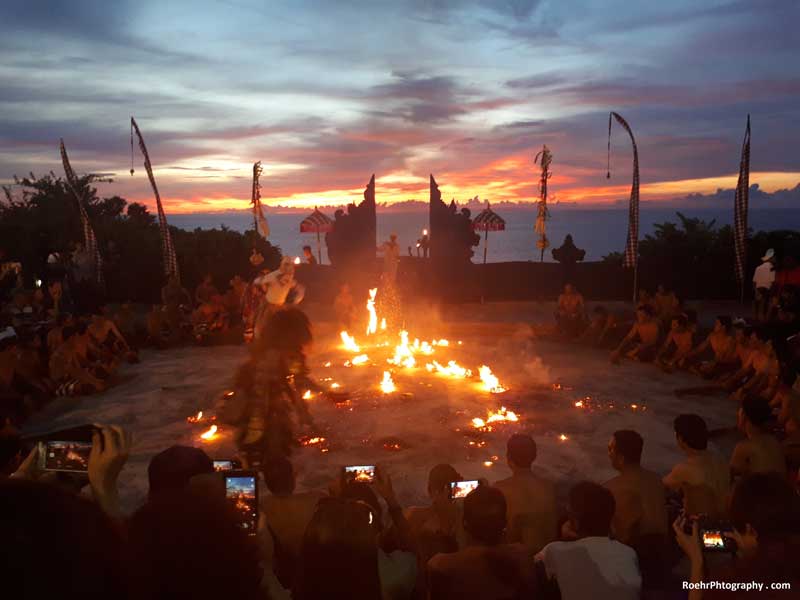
[723, 346]
[640, 495]
[603, 328]
[644, 335]
[703, 478]
[570, 312]
[666, 304]
[54, 337]
[679, 336]
[762, 370]
[68, 371]
[97, 359]
[760, 452]
[105, 334]
[209, 317]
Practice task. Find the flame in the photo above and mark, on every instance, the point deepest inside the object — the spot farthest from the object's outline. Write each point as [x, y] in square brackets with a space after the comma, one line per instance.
[387, 385]
[494, 417]
[563, 437]
[403, 355]
[579, 404]
[372, 326]
[297, 260]
[196, 418]
[327, 364]
[383, 324]
[422, 348]
[490, 382]
[487, 463]
[360, 359]
[335, 386]
[441, 343]
[453, 369]
[210, 434]
[308, 395]
[348, 343]
[634, 406]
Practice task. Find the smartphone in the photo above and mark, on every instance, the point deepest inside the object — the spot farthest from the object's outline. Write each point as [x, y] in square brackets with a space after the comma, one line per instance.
[359, 473]
[64, 455]
[714, 540]
[227, 465]
[241, 490]
[460, 489]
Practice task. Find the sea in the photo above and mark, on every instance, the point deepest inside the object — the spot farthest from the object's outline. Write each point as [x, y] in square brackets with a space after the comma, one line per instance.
[598, 231]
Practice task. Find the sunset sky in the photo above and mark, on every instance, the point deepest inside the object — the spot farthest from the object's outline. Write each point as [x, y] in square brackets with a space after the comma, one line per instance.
[326, 93]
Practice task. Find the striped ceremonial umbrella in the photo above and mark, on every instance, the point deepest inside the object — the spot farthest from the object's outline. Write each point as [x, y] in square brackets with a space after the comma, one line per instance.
[487, 221]
[316, 222]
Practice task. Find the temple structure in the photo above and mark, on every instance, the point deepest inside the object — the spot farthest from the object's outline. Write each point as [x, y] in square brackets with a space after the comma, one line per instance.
[452, 237]
[354, 236]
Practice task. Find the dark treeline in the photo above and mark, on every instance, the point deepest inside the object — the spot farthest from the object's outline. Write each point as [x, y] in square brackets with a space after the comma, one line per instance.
[44, 218]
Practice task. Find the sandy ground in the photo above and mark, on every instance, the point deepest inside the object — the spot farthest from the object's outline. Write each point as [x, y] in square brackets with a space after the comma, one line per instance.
[429, 417]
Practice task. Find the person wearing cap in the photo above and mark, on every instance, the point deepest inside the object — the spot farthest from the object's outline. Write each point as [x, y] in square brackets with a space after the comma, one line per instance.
[391, 258]
[763, 279]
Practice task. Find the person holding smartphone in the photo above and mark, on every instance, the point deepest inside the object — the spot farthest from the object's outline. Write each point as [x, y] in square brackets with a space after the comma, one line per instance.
[764, 513]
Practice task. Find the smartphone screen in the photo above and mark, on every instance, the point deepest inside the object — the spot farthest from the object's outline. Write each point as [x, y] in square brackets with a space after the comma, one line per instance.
[713, 539]
[241, 491]
[360, 473]
[460, 489]
[226, 465]
[57, 455]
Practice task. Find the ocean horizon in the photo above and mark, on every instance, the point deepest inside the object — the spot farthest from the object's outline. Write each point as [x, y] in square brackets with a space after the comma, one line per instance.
[598, 231]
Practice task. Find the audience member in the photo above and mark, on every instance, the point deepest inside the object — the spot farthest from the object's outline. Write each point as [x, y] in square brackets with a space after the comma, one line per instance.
[639, 494]
[703, 478]
[486, 568]
[339, 555]
[530, 498]
[286, 515]
[760, 452]
[592, 565]
[764, 512]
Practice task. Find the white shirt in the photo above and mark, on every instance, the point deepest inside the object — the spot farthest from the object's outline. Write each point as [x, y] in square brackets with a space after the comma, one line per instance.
[764, 275]
[398, 574]
[593, 567]
[278, 287]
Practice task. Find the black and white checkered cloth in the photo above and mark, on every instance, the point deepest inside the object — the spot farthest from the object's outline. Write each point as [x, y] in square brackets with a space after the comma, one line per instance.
[632, 242]
[89, 239]
[740, 207]
[168, 255]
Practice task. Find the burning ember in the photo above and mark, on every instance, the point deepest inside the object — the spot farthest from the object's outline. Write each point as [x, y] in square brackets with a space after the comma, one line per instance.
[210, 434]
[494, 417]
[387, 385]
[372, 326]
[335, 386]
[383, 324]
[441, 343]
[348, 343]
[361, 359]
[196, 418]
[579, 404]
[297, 260]
[563, 437]
[487, 463]
[312, 441]
[490, 382]
[327, 364]
[308, 395]
[452, 369]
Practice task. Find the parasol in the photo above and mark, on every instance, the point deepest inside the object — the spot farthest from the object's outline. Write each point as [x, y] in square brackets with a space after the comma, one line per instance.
[317, 223]
[487, 221]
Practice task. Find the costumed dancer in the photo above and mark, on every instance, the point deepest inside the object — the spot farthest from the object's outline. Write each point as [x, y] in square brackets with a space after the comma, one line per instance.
[277, 287]
[272, 383]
